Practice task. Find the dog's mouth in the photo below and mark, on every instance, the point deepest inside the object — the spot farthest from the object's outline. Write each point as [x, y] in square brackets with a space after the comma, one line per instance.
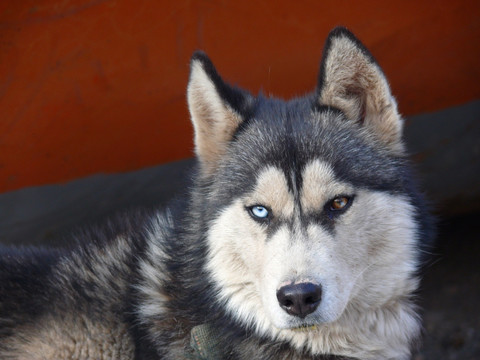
[305, 328]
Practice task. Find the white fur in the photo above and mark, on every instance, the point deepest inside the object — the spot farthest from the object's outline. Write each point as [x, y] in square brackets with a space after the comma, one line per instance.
[365, 267]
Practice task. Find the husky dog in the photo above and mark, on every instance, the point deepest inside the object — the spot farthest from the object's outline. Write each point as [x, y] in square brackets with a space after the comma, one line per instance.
[300, 238]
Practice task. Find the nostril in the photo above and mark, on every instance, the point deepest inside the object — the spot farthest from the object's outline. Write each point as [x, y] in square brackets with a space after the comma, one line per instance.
[299, 299]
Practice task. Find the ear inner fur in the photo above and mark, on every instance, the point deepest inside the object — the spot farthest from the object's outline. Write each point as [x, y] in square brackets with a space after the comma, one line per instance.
[351, 80]
[214, 109]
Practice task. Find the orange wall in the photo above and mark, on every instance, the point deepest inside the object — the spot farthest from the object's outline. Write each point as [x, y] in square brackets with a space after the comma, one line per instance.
[94, 86]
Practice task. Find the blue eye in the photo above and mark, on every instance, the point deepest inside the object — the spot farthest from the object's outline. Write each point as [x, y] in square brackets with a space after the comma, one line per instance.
[259, 211]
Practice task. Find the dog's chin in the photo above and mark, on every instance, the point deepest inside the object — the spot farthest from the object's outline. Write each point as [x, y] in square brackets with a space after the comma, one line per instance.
[309, 324]
[297, 325]
[305, 328]
[300, 328]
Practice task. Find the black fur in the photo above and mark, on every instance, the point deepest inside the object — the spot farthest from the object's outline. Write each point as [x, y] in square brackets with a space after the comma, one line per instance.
[23, 272]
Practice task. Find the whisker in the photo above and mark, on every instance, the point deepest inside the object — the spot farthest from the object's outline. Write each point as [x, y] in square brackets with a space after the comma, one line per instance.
[362, 272]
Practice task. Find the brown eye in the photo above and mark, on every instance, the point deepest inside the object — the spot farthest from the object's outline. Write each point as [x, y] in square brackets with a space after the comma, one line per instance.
[339, 203]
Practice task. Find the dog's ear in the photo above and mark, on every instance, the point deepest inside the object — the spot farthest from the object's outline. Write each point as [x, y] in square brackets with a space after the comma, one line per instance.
[351, 80]
[216, 110]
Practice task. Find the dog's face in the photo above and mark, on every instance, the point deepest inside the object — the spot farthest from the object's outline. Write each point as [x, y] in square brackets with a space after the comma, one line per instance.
[308, 215]
[296, 235]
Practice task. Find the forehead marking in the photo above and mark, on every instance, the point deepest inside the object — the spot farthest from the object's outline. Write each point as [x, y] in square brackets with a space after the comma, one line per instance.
[319, 186]
[272, 190]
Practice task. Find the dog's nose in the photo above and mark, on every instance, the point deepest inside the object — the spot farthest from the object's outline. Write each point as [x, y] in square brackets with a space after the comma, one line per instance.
[300, 299]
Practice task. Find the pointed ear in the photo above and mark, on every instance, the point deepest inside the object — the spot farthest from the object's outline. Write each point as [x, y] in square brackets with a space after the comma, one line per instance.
[351, 80]
[216, 110]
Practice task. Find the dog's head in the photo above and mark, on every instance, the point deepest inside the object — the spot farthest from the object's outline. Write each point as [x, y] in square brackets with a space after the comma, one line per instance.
[310, 218]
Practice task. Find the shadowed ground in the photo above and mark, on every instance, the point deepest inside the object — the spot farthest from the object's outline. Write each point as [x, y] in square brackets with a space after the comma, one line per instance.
[451, 292]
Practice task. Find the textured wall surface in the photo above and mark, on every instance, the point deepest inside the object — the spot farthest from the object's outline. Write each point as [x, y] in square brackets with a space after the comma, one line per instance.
[97, 86]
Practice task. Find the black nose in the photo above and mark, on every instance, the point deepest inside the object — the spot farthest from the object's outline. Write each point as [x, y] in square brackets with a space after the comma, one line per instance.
[300, 299]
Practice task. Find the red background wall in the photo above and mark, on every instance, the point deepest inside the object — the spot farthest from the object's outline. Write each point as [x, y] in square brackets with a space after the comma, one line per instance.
[92, 86]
